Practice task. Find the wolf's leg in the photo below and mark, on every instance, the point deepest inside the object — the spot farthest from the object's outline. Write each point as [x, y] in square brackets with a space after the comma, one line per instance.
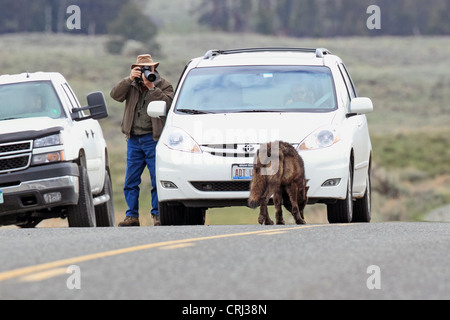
[292, 191]
[264, 213]
[277, 200]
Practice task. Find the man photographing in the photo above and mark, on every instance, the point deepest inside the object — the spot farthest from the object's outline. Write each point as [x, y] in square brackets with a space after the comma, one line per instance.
[143, 85]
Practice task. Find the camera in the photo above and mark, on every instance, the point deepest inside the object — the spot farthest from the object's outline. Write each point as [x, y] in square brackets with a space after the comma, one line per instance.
[147, 71]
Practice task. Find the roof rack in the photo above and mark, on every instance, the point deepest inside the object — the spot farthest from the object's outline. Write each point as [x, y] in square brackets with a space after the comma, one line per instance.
[320, 52]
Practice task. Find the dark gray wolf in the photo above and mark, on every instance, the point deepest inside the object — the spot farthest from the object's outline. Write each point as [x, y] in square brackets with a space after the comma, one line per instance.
[278, 170]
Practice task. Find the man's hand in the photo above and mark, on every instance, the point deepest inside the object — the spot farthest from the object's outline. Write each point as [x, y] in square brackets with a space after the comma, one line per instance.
[148, 84]
[135, 73]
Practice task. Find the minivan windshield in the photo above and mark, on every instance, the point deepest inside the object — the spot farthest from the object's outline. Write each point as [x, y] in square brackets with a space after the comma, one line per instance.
[257, 89]
[29, 100]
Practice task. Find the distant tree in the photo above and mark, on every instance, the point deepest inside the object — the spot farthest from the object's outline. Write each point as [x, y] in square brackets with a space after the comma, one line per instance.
[266, 17]
[21, 16]
[215, 14]
[326, 18]
[132, 24]
[437, 14]
[241, 15]
[51, 15]
[298, 18]
[226, 15]
[97, 15]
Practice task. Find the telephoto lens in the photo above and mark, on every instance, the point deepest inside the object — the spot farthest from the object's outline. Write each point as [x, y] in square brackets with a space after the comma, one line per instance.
[149, 74]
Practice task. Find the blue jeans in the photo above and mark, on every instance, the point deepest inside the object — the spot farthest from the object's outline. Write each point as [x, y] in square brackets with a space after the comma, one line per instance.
[141, 152]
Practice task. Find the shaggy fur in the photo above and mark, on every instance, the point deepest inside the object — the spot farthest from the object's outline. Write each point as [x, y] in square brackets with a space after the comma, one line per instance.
[285, 181]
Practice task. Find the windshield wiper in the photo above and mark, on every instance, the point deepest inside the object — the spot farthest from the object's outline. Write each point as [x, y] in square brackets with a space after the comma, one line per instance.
[258, 110]
[192, 111]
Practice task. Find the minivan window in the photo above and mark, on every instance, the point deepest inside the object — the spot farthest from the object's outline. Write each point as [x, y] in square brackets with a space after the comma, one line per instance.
[29, 100]
[257, 89]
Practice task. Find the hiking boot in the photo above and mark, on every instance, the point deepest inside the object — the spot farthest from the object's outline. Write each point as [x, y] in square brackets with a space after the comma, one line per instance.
[156, 220]
[130, 222]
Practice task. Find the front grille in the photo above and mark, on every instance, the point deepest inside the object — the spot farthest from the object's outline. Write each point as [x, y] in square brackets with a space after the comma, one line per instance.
[14, 163]
[222, 186]
[242, 150]
[15, 156]
[11, 148]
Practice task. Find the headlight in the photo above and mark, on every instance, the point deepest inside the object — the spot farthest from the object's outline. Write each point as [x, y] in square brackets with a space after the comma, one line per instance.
[50, 157]
[321, 138]
[53, 140]
[178, 139]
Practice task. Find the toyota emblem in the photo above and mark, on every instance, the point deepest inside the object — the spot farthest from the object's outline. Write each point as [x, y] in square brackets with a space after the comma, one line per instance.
[248, 148]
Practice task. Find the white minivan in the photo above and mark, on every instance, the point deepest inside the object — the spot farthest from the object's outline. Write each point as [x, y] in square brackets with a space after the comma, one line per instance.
[229, 102]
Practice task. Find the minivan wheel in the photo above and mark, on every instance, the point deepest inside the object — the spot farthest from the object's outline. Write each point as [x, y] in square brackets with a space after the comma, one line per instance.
[176, 214]
[342, 210]
[362, 208]
[194, 216]
[171, 214]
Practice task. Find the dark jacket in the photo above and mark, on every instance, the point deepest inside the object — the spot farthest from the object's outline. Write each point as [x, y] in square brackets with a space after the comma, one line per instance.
[129, 90]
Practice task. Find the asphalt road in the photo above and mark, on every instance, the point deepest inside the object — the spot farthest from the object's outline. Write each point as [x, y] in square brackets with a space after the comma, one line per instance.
[356, 261]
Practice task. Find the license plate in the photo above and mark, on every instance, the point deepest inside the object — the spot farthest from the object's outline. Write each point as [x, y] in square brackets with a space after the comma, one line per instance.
[242, 171]
[1, 197]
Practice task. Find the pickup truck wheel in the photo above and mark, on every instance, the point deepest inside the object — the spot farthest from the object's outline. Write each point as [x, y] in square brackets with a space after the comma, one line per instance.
[82, 214]
[104, 213]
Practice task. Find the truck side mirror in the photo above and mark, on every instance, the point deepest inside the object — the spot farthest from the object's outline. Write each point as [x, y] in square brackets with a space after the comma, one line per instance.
[97, 105]
[157, 109]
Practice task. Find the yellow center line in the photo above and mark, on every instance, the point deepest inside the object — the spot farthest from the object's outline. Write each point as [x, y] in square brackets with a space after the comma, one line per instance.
[43, 275]
[89, 257]
[177, 246]
[272, 233]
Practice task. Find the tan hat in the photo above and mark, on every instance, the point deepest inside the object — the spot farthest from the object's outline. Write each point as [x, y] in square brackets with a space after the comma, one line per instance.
[145, 60]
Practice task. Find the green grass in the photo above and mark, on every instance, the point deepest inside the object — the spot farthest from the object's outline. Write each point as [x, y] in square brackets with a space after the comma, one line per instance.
[407, 79]
[427, 151]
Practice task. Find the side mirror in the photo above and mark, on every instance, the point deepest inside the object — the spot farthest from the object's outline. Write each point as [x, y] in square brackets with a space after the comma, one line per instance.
[157, 109]
[361, 106]
[97, 105]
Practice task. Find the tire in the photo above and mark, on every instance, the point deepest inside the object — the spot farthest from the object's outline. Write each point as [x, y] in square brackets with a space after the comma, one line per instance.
[194, 216]
[179, 215]
[171, 215]
[342, 210]
[104, 213]
[363, 207]
[82, 214]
